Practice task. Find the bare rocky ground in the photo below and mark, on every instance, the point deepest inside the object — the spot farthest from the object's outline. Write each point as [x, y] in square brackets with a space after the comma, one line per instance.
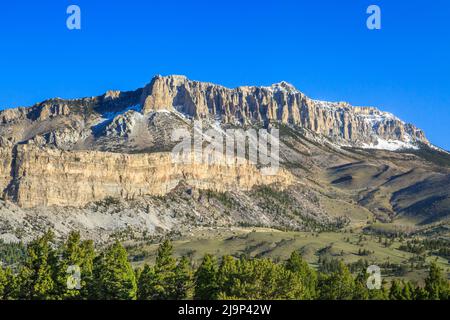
[180, 212]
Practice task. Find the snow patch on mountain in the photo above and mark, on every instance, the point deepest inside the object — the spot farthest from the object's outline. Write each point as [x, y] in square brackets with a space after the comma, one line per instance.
[112, 115]
[391, 145]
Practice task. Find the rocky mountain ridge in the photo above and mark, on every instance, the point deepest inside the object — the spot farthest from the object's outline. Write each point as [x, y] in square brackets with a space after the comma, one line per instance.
[104, 163]
[357, 126]
[365, 127]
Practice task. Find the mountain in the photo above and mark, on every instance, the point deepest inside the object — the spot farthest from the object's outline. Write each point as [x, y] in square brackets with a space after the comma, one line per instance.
[103, 164]
[357, 126]
[69, 123]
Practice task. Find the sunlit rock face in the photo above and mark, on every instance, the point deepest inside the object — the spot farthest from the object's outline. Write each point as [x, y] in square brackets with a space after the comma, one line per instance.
[280, 103]
[72, 152]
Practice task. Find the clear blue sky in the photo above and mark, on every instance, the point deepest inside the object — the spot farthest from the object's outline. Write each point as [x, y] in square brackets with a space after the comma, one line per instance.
[322, 47]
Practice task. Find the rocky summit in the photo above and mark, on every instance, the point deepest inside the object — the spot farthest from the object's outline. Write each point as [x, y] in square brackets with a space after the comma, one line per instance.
[103, 164]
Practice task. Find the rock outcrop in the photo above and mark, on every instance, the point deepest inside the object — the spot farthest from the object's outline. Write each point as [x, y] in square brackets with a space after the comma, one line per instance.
[47, 177]
[71, 152]
[282, 103]
[278, 103]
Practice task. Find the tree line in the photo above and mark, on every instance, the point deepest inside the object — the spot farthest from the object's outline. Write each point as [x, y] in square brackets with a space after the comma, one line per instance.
[107, 274]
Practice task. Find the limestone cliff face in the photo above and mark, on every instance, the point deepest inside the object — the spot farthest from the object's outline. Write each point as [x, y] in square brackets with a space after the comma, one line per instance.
[71, 152]
[6, 157]
[281, 103]
[46, 177]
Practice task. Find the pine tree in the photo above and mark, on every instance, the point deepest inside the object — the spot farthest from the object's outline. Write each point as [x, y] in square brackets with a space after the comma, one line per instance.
[147, 284]
[113, 275]
[296, 264]
[3, 282]
[206, 286]
[226, 275]
[408, 292]
[436, 285]
[395, 292]
[258, 279]
[37, 276]
[339, 285]
[160, 282]
[420, 293]
[274, 282]
[87, 259]
[165, 271]
[361, 291]
[183, 280]
[78, 255]
[9, 289]
[379, 294]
